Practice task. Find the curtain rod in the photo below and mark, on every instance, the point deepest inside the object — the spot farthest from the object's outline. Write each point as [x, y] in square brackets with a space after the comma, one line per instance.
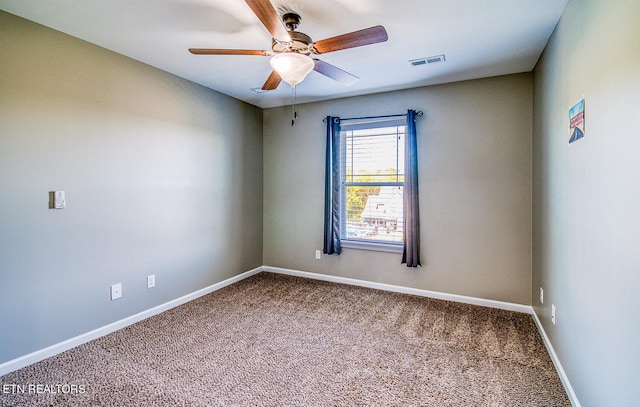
[418, 114]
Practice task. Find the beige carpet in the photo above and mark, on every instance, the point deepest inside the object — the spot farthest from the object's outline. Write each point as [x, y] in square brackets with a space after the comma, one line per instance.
[273, 340]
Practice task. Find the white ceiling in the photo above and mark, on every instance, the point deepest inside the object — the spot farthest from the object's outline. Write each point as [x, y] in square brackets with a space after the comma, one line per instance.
[478, 38]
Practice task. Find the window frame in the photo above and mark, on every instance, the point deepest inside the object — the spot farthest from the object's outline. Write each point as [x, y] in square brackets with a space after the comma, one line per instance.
[364, 244]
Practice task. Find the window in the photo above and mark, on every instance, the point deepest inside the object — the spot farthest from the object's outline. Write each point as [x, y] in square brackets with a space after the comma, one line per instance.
[372, 183]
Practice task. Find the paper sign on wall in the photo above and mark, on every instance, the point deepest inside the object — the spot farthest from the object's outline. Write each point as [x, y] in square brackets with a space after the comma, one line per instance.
[576, 121]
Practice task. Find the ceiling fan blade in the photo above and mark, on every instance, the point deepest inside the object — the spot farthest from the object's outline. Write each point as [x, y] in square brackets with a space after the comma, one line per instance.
[212, 51]
[371, 35]
[263, 9]
[272, 81]
[334, 72]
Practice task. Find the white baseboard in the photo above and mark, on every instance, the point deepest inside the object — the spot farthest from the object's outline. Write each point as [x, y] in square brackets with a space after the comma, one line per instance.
[60, 347]
[405, 290]
[556, 362]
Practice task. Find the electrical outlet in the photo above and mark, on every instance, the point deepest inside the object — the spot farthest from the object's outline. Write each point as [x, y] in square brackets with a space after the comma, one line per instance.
[151, 280]
[57, 200]
[553, 314]
[541, 296]
[116, 291]
[318, 254]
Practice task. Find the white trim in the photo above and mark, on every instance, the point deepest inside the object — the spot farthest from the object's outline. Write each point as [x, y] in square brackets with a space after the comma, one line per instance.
[556, 362]
[405, 290]
[60, 347]
[376, 246]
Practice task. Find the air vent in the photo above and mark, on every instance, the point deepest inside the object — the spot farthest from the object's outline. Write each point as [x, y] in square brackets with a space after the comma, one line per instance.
[428, 60]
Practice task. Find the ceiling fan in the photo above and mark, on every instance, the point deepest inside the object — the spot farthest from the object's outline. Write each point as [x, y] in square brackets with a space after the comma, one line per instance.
[290, 49]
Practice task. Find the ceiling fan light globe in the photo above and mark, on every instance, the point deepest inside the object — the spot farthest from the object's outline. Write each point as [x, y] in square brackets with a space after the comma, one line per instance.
[292, 67]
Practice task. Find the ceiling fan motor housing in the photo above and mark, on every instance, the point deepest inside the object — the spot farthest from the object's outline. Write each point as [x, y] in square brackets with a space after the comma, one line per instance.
[299, 43]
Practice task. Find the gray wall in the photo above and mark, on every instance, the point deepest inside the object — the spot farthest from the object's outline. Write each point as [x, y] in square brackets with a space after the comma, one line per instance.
[162, 176]
[586, 199]
[474, 146]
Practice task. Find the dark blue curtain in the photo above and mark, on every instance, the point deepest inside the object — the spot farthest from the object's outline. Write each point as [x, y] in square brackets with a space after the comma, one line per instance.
[332, 188]
[411, 251]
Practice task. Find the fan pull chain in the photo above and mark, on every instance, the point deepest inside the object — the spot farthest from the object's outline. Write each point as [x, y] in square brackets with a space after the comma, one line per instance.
[293, 106]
